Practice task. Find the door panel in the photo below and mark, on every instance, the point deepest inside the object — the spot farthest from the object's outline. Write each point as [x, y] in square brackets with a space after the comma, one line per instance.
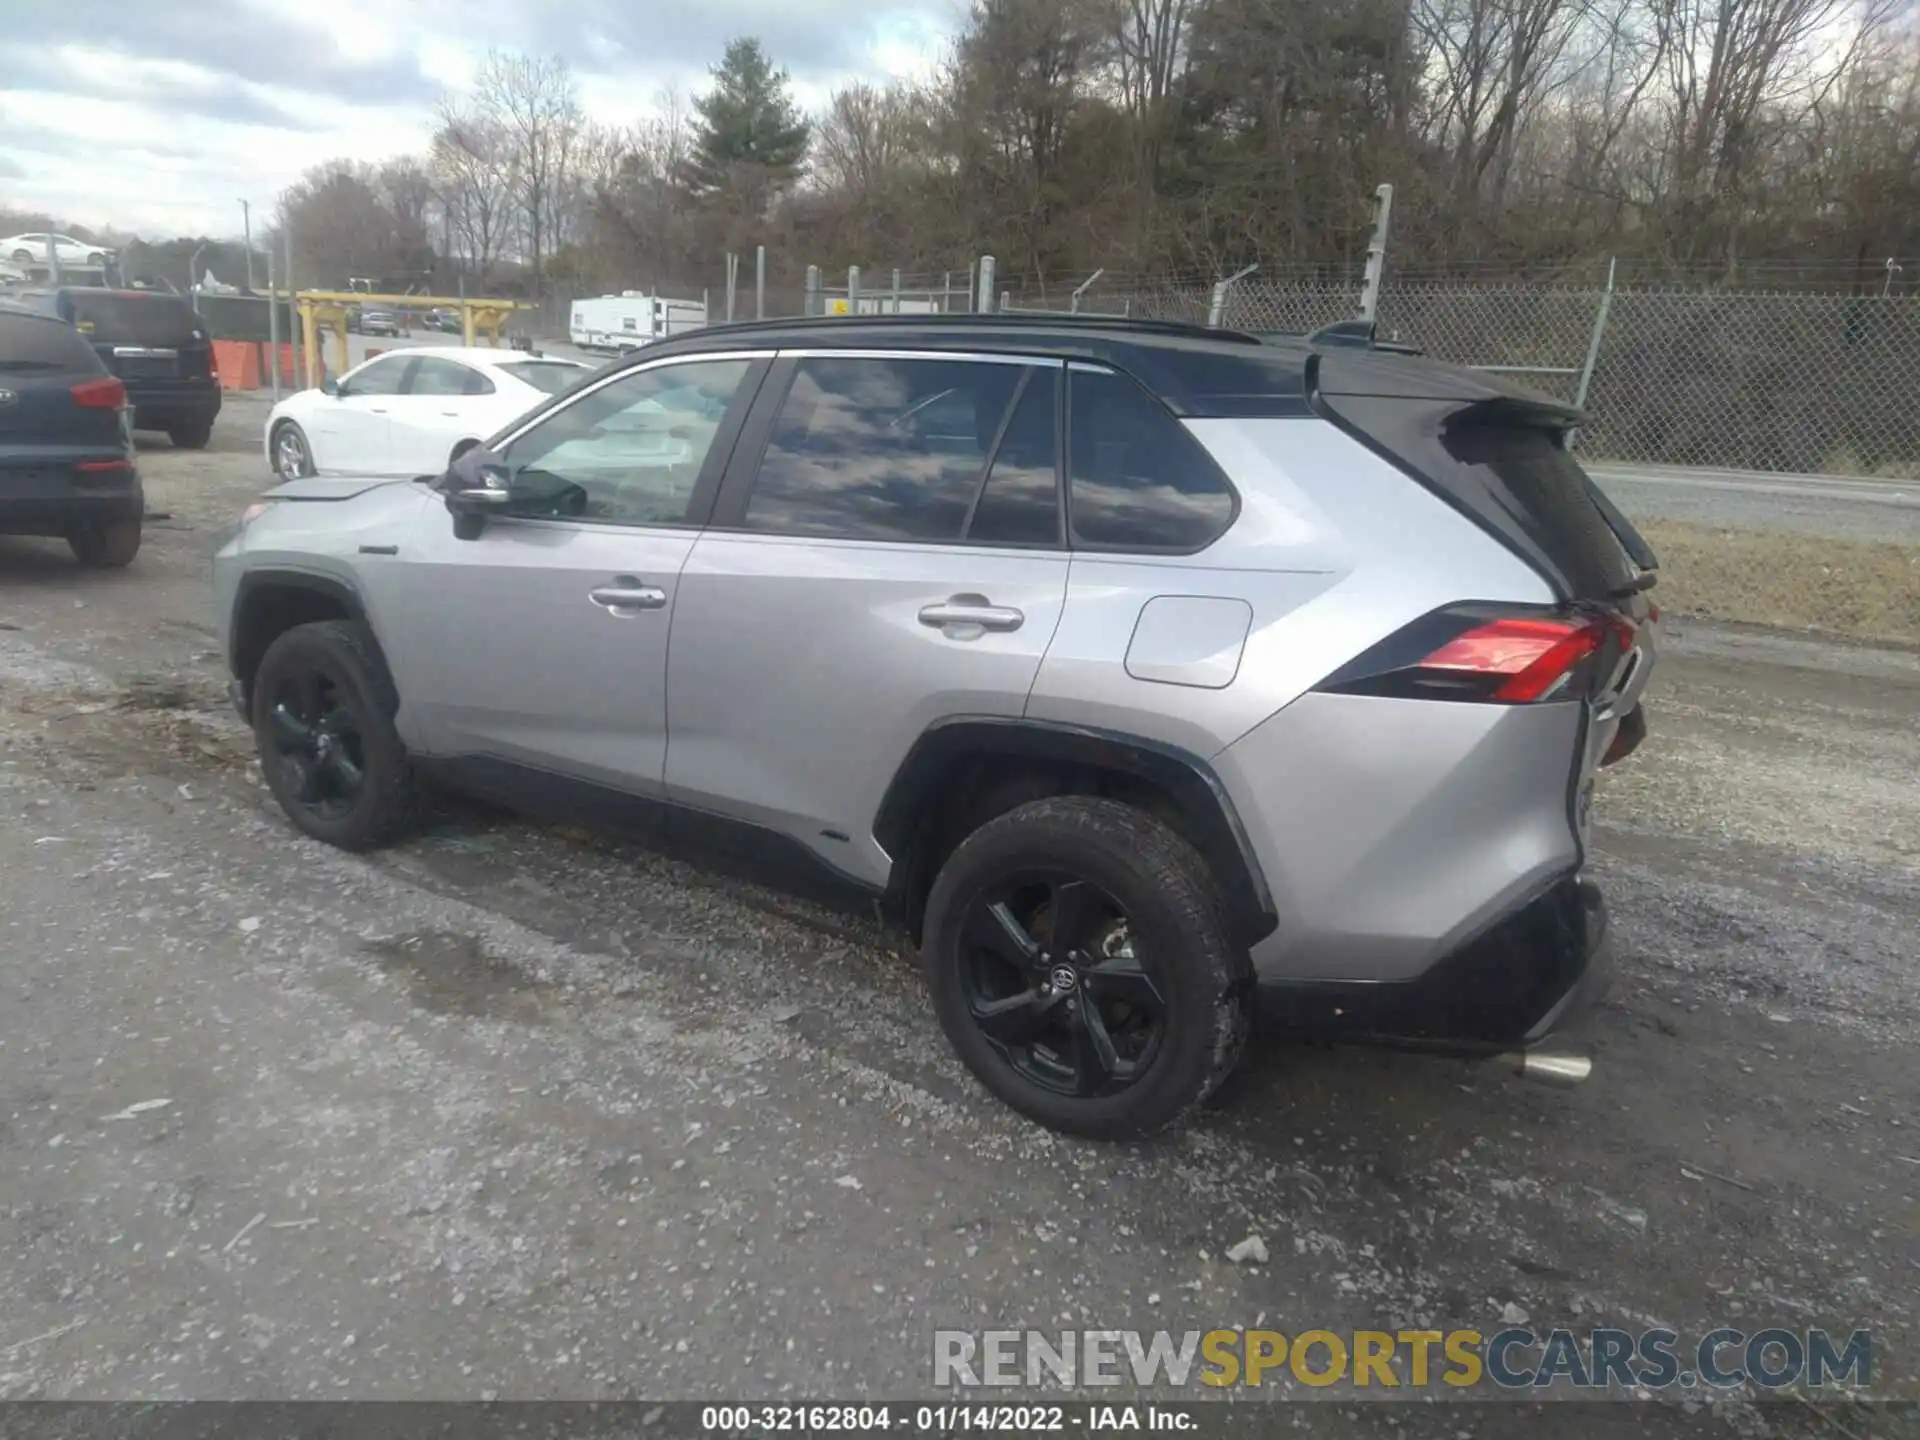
[544, 640]
[352, 432]
[886, 555]
[802, 673]
[516, 659]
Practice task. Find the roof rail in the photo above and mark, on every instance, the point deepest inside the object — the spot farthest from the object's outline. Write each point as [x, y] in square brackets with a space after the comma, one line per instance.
[1120, 324]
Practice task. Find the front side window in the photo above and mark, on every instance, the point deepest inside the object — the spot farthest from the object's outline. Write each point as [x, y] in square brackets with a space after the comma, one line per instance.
[1137, 479]
[630, 452]
[435, 376]
[885, 449]
[385, 376]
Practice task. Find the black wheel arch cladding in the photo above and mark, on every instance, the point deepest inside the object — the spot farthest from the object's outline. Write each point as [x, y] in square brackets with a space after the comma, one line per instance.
[951, 751]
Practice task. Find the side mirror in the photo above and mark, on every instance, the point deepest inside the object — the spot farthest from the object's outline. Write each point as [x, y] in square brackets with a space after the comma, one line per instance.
[330, 386]
[476, 492]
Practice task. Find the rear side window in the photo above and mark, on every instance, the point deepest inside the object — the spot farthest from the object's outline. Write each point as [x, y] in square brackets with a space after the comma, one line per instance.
[133, 319]
[30, 343]
[1136, 479]
[867, 449]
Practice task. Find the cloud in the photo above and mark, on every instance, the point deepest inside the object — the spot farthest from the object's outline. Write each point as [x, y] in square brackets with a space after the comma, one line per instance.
[251, 41]
[155, 114]
[170, 87]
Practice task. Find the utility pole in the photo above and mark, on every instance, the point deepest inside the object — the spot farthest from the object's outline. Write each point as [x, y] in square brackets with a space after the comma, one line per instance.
[246, 229]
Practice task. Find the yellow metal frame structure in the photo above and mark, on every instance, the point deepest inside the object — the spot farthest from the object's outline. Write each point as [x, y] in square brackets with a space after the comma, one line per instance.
[329, 308]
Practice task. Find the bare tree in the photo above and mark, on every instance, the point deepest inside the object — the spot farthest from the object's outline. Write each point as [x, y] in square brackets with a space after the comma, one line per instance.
[473, 173]
[536, 107]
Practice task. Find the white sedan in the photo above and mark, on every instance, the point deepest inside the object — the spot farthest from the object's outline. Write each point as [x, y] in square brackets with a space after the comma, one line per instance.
[32, 250]
[409, 412]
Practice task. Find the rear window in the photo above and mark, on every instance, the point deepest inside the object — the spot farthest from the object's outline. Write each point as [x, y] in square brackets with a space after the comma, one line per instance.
[30, 343]
[1531, 475]
[134, 319]
[549, 377]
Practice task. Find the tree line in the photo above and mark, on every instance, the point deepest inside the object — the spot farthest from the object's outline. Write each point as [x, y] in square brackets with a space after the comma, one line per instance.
[1719, 139]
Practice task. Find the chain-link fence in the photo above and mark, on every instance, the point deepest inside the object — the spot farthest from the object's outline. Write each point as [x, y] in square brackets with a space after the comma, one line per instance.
[1781, 381]
[1742, 380]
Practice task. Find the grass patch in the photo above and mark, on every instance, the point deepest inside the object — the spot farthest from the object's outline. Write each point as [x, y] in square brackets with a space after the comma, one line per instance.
[1858, 588]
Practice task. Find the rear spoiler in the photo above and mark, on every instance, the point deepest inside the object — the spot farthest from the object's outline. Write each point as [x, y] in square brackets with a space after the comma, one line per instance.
[1359, 335]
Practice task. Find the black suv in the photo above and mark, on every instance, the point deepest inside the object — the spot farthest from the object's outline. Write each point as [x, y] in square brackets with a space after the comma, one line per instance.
[156, 345]
[66, 445]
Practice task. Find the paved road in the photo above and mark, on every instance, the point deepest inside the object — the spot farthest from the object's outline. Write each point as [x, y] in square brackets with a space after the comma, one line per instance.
[1834, 507]
[513, 1110]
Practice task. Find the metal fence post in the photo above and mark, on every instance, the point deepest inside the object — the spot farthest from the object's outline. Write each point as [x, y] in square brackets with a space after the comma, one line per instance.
[760, 282]
[1376, 253]
[273, 325]
[1073, 302]
[896, 292]
[1593, 344]
[983, 297]
[946, 291]
[1217, 307]
[813, 306]
[853, 290]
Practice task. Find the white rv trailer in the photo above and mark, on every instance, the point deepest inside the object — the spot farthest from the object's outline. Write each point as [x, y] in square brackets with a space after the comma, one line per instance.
[631, 319]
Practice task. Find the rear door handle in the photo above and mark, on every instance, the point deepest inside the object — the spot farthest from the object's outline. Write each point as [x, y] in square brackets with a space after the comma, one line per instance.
[972, 610]
[628, 596]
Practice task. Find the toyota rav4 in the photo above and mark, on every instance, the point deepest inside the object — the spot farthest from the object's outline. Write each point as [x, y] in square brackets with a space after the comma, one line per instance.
[1162, 682]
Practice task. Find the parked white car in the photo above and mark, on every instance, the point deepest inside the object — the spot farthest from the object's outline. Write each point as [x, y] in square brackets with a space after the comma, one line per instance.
[409, 412]
[32, 250]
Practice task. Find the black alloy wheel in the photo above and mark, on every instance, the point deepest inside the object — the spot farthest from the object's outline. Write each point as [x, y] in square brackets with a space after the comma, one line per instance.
[1052, 980]
[1080, 962]
[317, 742]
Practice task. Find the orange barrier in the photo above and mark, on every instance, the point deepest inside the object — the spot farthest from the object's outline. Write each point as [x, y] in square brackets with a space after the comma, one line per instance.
[242, 365]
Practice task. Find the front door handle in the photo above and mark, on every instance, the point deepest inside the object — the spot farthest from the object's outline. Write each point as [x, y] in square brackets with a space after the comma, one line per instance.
[972, 610]
[628, 596]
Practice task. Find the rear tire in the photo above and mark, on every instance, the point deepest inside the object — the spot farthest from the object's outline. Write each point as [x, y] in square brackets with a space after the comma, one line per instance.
[106, 544]
[1166, 986]
[323, 709]
[191, 434]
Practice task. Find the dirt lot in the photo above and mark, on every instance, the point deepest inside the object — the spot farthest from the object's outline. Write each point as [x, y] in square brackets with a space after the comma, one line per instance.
[519, 1112]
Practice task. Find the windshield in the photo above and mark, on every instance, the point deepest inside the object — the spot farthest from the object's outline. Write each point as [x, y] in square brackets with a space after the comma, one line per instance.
[549, 377]
[112, 317]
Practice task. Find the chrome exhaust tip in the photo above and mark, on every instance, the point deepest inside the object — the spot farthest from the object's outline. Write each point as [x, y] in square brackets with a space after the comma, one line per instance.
[1548, 1067]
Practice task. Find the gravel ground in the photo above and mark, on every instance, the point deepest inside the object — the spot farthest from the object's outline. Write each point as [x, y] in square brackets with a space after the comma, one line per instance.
[517, 1111]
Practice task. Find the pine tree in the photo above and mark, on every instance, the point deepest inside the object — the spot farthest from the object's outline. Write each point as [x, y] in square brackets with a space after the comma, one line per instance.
[748, 135]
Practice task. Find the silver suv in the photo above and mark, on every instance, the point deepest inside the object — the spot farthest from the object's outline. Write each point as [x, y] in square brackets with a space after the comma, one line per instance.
[1160, 681]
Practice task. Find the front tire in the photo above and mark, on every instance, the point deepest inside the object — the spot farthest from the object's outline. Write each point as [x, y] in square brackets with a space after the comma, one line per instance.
[323, 710]
[106, 544]
[292, 455]
[1082, 966]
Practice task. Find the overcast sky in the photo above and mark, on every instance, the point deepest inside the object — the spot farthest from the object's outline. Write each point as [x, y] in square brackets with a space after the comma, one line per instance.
[161, 115]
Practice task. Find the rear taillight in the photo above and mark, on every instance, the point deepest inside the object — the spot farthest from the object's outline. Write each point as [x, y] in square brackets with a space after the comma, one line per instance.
[106, 393]
[1522, 659]
[102, 467]
[1482, 655]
